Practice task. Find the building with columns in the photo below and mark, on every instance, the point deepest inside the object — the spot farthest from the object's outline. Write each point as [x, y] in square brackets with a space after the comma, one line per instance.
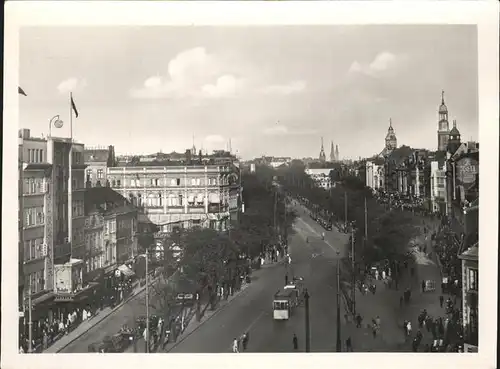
[181, 195]
[374, 174]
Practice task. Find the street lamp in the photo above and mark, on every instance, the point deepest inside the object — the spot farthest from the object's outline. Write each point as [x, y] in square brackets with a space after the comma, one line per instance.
[58, 123]
[339, 342]
[308, 338]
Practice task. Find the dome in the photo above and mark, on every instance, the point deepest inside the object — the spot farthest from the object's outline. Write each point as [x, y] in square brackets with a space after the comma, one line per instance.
[454, 132]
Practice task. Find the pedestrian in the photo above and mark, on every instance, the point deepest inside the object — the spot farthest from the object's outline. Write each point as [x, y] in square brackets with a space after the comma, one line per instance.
[295, 342]
[377, 321]
[423, 286]
[348, 344]
[441, 300]
[408, 328]
[235, 346]
[244, 341]
[359, 319]
[374, 331]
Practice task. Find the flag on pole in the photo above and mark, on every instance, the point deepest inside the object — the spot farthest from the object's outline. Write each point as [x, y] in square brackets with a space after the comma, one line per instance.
[74, 107]
[21, 91]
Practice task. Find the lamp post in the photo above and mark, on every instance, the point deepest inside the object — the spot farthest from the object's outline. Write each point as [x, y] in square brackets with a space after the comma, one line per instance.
[308, 333]
[339, 342]
[58, 123]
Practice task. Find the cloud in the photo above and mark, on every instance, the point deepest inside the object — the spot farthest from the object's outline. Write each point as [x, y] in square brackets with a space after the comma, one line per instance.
[195, 73]
[285, 89]
[191, 73]
[276, 130]
[282, 130]
[70, 85]
[384, 61]
[214, 139]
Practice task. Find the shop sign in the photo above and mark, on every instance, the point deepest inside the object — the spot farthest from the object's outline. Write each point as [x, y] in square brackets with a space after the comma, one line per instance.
[467, 170]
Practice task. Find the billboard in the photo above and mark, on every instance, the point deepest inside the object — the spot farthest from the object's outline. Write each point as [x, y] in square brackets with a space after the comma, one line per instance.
[466, 172]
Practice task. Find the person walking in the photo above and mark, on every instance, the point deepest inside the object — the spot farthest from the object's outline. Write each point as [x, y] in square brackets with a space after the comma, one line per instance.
[235, 346]
[348, 344]
[295, 342]
[359, 319]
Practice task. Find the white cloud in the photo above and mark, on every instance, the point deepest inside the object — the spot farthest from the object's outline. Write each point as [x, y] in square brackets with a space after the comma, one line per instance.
[285, 89]
[196, 73]
[225, 86]
[276, 130]
[384, 61]
[281, 130]
[71, 85]
[214, 139]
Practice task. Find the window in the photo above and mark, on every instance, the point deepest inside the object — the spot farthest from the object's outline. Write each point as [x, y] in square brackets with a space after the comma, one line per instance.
[100, 174]
[178, 181]
[29, 216]
[40, 216]
[193, 182]
[35, 282]
[118, 183]
[473, 279]
[139, 199]
[191, 199]
[155, 182]
[180, 200]
[40, 153]
[172, 200]
[160, 202]
[200, 199]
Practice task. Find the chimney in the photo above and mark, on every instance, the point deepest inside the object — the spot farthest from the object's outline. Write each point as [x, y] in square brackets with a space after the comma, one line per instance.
[24, 133]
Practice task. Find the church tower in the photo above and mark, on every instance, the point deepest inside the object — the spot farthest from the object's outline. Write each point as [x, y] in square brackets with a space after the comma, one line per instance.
[454, 139]
[443, 126]
[337, 158]
[322, 156]
[332, 153]
[391, 142]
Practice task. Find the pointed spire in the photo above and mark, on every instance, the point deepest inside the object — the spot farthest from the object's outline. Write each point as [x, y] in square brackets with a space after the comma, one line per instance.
[322, 148]
[442, 97]
[454, 123]
[390, 122]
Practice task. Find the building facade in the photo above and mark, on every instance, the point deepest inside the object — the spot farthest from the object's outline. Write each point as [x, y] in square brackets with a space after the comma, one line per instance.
[181, 196]
[374, 174]
[438, 187]
[45, 242]
[97, 160]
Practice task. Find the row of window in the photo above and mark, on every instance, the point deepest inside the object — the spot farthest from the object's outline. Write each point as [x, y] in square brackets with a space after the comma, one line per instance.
[93, 240]
[77, 157]
[78, 208]
[109, 227]
[35, 156]
[34, 216]
[473, 279]
[153, 199]
[100, 174]
[35, 281]
[33, 249]
[33, 186]
[158, 182]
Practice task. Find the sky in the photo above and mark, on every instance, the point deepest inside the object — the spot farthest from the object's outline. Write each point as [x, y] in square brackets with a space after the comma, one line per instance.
[271, 90]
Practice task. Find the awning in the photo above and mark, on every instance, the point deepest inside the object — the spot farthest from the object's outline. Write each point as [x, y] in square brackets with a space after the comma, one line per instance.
[127, 272]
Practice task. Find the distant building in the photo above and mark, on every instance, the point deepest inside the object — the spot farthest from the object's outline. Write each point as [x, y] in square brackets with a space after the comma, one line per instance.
[443, 126]
[322, 155]
[321, 177]
[277, 162]
[97, 160]
[438, 186]
[374, 174]
[182, 195]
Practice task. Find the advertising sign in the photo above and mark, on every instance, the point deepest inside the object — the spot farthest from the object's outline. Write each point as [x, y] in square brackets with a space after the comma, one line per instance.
[466, 172]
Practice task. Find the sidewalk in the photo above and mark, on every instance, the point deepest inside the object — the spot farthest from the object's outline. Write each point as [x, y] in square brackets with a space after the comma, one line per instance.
[89, 324]
[385, 303]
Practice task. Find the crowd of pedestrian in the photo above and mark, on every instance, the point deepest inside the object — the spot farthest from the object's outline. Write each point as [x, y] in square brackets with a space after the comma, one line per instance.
[45, 333]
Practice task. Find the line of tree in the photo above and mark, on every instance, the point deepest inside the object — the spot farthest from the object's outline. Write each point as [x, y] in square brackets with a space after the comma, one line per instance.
[209, 258]
[388, 232]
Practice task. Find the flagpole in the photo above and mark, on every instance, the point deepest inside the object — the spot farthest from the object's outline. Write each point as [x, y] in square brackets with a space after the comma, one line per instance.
[70, 177]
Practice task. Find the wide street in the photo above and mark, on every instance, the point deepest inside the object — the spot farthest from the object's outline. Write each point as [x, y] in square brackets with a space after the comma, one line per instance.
[252, 310]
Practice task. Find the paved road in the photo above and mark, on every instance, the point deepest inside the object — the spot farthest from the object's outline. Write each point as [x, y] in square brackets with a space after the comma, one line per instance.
[252, 310]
